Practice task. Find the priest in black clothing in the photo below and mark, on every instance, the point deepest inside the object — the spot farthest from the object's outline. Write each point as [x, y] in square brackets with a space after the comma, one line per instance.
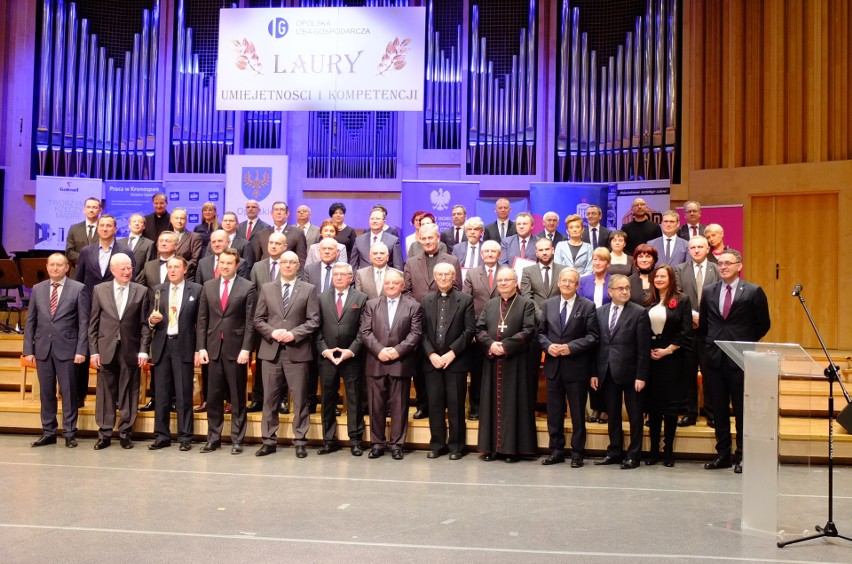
[642, 229]
[504, 330]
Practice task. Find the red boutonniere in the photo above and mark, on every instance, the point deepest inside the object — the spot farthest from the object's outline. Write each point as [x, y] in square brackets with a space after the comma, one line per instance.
[355, 306]
[673, 303]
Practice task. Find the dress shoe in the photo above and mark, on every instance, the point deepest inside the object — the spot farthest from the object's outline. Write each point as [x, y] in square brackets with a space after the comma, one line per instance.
[669, 463]
[201, 408]
[148, 406]
[376, 452]
[488, 456]
[103, 443]
[738, 467]
[356, 450]
[327, 448]
[511, 458]
[421, 414]
[652, 458]
[210, 446]
[593, 418]
[44, 440]
[629, 464]
[301, 451]
[126, 443]
[236, 448]
[607, 460]
[473, 416]
[437, 453]
[266, 450]
[576, 462]
[70, 442]
[718, 463]
[711, 422]
[283, 408]
[173, 408]
[185, 446]
[159, 443]
[456, 456]
[553, 459]
[603, 419]
[254, 407]
[81, 403]
[396, 454]
[686, 421]
[228, 409]
[337, 412]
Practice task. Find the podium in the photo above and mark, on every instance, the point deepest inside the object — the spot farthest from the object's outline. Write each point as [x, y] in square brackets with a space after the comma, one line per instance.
[764, 364]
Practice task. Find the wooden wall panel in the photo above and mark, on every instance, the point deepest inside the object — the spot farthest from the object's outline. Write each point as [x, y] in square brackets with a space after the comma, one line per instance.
[712, 85]
[794, 147]
[838, 68]
[772, 96]
[753, 75]
[816, 80]
[733, 83]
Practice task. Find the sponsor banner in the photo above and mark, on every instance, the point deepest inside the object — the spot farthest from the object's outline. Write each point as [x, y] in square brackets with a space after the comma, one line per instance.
[437, 198]
[255, 177]
[485, 208]
[59, 205]
[123, 198]
[568, 198]
[191, 195]
[656, 194]
[292, 59]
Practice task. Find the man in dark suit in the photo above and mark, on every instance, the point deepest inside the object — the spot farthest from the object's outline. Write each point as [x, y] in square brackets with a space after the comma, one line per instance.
[339, 348]
[456, 234]
[286, 317]
[360, 256]
[173, 352]
[225, 338]
[596, 235]
[731, 310]
[468, 251]
[159, 220]
[448, 328]
[83, 233]
[142, 247]
[693, 225]
[236, 241]
[568, 333]
[296, 241]
[551, 228]
[519, 245]
[391, 327]
[503, 226]
[208, 267]
[692, 277]
[188, 242]
[252, 226]
[118, 342]
[671, 249]
[623, 364]
[370, 279]
[55, 339]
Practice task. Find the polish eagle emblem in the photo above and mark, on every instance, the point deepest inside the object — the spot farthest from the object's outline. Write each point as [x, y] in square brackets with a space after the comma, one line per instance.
[440, 199]
[257, 182]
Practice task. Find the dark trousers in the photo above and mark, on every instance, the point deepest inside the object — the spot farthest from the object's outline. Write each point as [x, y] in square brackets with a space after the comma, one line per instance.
[81, 379]
[613, 392]
[597, 402]
[446, 389]
[173, 372]
[330, 375]
[381, 392]
[226, 378]
[50, 371]
[477, 361]
[296, 376]
[257, 384]
[534, 372]
[655, 422]
[421, 394]
[693, 358]
[558, 388]
[313, 382]
[117, 383]
[727, 389]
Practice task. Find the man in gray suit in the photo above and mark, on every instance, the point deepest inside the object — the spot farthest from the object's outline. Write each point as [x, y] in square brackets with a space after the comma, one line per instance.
[671, 248]
[391, 327]
[521, 244]
[468, 250]
[188, 243]
[55, 339]
[118, 342]
[360, 256]
[142, 247]
[303, 222]
[225, 339]
[83, 233]
[286, 317]
[370, 279]
[319, 273]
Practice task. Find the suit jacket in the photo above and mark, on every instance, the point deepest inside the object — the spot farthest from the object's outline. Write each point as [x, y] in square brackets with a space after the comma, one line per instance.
[302, 318]
[259, 274]
[186, 321]
[417, 283]
[587, 288]
[240, 245]
[143, 252]
[89, 269]
[458, 334]
[256, 229]
[686, 283]
[295, 242]
[236, 322]
[365, 281]
[748, 319]
[476, 284]
[403, 336]
[581, 334]
[312, 234]
[558, 237]
[679, 253]
[532, 285]
[314, 274]
[625, 351]
[77, 239]
[684, 232]
[448, 237]
[150, 274]
[492, 232]
[343, 332]
[155, 226]
[510, 249]
[190, 249]
[207, 269]
[583, 262]
[678, 327]
[461, 251]
[65, 333]
[105, 327]
[360, 256]
[603, 236]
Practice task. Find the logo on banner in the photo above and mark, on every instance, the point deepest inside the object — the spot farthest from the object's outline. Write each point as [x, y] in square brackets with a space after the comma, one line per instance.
[247, 58]
[193, 218]
[193, 196]
[278, 28]
[257, 182]
[440, 199]
[212, 196]
[174, 196]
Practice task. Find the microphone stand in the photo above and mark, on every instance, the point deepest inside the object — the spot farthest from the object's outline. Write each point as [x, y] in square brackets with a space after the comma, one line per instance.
[830, 529]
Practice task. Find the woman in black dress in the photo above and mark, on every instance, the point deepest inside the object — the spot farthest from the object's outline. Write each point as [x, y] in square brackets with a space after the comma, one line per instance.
[671, 337]
[345, 233]
[644, 260]
[209, 224]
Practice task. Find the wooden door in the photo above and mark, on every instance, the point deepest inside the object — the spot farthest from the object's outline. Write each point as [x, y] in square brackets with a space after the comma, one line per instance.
[793, 240]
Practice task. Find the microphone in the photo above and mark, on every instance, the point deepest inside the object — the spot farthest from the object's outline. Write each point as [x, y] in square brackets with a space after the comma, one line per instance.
[797, 289]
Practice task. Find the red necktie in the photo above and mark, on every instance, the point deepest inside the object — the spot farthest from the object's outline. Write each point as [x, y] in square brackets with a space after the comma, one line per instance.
[726, 306]
[694, 230]
[523, 248]
[491, 277]
[339, 305]
[225, 295]
[54, 298]
[248, 230]
[216, 270]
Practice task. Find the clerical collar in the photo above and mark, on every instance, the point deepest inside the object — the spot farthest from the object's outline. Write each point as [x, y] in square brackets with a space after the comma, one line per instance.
[433, 255]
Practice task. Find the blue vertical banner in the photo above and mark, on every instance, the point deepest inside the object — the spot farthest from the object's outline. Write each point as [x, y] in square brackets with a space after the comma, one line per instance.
[192, 194]
[59, 205]
[567, 198]
[437, 198]
[123, 198]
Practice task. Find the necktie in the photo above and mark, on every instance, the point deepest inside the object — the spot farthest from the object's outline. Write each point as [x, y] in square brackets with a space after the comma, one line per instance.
[491, 277]
[668, 248]
[391, 311]
[327, 279]
[726, 306]
[502, 230]
[173, 313]
[547, 277]
[380, 282]
[594, 237]
[613, 319]
[458, 235]
[248, 230]
[132, 242]
[694, 230]
[564, 315]
[273, 271]
[375, 239]
[224, 298]
[285, 298]
[119, 301]
[699, 283]
[550, 236]
[471, 259]
[216, 269]
[523, 248]
[54, 298]
[91, 233]
[339, 305]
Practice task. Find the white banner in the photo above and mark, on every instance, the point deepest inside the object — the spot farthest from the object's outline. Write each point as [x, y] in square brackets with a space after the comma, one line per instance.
[291, 59]
[255, 177]
[59, 205]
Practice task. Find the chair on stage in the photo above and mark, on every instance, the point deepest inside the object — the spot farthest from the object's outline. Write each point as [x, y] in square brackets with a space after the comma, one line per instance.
[10, 279]
[33, 271]
[25, 367]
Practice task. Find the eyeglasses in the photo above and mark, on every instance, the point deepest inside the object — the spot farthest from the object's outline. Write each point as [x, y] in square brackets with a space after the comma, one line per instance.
[288, 262]
[726, 263]
[621, 288]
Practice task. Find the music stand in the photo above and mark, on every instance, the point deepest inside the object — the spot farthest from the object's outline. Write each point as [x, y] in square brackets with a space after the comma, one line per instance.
[33, 271]
[10, 279]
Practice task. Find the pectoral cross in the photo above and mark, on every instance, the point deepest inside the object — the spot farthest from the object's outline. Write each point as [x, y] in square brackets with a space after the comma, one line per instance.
[502, 326]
